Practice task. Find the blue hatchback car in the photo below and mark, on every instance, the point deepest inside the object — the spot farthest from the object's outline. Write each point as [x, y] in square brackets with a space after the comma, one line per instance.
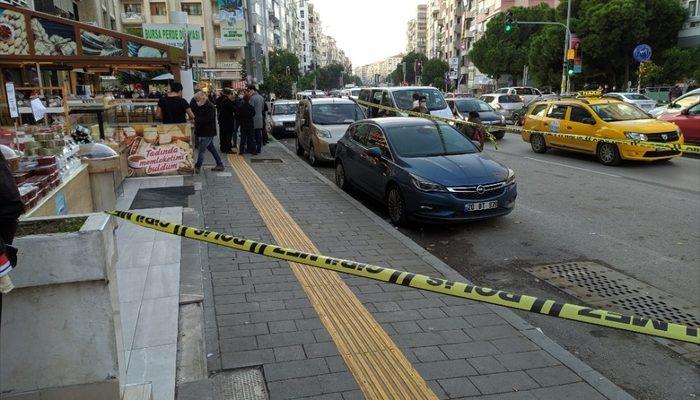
[423, 170]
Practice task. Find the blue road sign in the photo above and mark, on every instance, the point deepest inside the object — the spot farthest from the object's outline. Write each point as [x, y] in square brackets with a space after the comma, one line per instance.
[642, 53]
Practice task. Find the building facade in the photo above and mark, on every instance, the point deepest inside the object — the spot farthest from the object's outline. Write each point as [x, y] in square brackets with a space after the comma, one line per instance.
[689, 36]
[378, 72]
[415, 30]
[100, 13]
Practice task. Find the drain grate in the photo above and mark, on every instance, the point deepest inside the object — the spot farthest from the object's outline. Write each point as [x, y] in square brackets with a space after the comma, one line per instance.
[605, 288]
[240, 384]
[266, 160]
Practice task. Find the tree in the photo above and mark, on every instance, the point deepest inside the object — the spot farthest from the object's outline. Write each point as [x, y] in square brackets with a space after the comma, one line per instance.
[410, 59]
[679, 64]
[650, 73]
[434, 71]
[283, 71]
[545, 56]
[329, 76]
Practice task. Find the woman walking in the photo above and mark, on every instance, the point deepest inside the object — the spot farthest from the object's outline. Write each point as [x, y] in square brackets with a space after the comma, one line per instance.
[244, 115]
[205, 130]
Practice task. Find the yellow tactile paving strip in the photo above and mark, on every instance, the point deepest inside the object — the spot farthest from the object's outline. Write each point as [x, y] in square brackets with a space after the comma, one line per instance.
[379, 367]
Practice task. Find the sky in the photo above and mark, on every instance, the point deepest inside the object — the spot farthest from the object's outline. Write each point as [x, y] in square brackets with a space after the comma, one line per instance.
[367, 30]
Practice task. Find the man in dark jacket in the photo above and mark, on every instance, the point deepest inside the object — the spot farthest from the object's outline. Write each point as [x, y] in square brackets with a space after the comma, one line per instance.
[227, 135]
[245, 112]
[205, 130]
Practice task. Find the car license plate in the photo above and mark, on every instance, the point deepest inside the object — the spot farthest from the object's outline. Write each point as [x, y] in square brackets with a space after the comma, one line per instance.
[486, 205]
[289, 128]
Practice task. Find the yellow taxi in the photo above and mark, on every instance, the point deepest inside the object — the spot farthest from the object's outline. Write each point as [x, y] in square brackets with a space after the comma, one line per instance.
[600, 118]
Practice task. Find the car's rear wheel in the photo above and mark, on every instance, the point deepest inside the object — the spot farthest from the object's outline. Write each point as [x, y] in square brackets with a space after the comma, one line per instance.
[396, 205]
[499, 134]
[340, 178]
[538, 143]
[608, 154]
[312, 155]
[300, 150]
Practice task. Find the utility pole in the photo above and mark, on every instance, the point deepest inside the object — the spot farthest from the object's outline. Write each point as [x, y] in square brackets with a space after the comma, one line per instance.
[251, 59]
[567, 34]
[266, 50]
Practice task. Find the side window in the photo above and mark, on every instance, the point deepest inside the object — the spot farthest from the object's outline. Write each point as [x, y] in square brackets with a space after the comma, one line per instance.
[487, 99]
[539, 110]
[558, 111]
[377, 97]
[536, 92]
[360, 134]
[694, 110]
[376, 139]
[579, 114]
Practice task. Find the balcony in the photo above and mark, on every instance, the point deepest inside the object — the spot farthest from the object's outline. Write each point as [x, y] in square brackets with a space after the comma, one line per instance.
[132, 18]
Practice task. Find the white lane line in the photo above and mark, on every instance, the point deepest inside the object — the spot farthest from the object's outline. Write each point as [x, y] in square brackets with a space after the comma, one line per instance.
[572, 167]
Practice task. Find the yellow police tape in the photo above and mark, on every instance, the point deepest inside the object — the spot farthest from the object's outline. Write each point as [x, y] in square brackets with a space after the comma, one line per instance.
[518, 130]
[457, 289]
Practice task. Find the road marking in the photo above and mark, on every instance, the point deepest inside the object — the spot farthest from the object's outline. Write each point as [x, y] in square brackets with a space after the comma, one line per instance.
[572, 167]
[379, 367]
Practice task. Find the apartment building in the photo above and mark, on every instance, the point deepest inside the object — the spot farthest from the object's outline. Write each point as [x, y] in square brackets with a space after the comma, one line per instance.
[101, 13]
[377, 72]
[689, 36]
[415, 30]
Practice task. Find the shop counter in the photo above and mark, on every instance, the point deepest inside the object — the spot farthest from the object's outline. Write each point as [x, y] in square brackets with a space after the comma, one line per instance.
[72, 196]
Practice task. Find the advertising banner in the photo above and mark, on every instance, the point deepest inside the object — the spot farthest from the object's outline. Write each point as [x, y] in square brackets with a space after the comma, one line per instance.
[174, 35]
[575, 45]
[163, 149]
[232, 21]
[454, 67]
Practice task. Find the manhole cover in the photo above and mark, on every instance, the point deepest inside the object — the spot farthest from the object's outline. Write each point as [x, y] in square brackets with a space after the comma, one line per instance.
[602, 287]
[240, 384]
[266, 160]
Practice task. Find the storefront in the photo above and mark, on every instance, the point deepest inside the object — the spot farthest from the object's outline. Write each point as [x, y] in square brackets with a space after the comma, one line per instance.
[68, 140]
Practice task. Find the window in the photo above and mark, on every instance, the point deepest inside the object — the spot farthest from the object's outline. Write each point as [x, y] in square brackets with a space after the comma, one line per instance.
[192, 8]
[132, 8]
[511, 98]
[487, 99]
[376, 139]
[692, 7]
[580, 115]
[404, 98]
[159, 9]
[539, 110]
[301, 13]
[360, 134]
[695, 110]
[557, 111]
[336, 113]
[429, 139]
[610, 112]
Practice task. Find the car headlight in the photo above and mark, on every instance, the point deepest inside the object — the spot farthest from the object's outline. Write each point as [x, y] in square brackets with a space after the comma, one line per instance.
[511, 177]
[425, 185]
[323, 133]
[636, 136]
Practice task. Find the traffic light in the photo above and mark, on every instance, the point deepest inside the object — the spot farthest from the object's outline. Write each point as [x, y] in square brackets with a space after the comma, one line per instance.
[509, 21]
[419, 68]
[570, 67]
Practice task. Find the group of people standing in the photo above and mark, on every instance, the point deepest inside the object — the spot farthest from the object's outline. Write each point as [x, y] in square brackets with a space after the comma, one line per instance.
[244, 111]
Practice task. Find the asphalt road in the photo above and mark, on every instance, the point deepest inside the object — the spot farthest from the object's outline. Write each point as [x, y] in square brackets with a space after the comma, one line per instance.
[642, 219]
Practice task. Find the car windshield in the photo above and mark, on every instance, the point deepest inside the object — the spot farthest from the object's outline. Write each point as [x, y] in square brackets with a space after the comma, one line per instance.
[355, 92]
[404, 98]
[635, 96]
[428, 140]
[465, 106]
[618, 112]
[336, 113]
[284, 109]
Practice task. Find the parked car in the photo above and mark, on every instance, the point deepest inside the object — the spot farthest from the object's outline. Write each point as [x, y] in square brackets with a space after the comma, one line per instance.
[518, 116]
[678, 104]
[643, 102]
[504, 104]
[402, 97]
[599, 118]
[282, 118]
[423, 170]
[688, 120]
[462, 106]
[526, 93]
[320, 123]
[353, 93]
[658, 93]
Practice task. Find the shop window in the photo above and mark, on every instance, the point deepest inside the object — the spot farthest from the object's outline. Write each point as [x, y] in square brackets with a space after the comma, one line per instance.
[192, 8]
[159, 9]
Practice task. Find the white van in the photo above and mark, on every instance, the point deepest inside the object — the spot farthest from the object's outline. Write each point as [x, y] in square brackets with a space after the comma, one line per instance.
[402, 97]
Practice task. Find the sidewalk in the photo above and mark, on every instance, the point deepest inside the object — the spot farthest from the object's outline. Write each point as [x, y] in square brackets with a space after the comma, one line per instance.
[258, 313]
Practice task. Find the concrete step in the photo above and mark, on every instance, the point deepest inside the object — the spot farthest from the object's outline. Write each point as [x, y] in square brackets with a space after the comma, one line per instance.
[140, 391]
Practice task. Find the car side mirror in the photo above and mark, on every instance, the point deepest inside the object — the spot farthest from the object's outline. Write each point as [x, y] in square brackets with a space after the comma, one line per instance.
[685, 112]
[588, 120]
[374, 152]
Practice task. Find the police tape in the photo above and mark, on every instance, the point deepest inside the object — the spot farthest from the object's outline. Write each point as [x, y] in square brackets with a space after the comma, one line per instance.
[537, 305]
[657, 146]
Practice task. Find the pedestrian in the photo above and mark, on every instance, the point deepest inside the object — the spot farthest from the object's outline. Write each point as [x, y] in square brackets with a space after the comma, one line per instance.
[245, 114]
[11, 208]
[258, 103]
[474, 129]
[205, 130]
[224, 108]
[674, 93]
[172, 108]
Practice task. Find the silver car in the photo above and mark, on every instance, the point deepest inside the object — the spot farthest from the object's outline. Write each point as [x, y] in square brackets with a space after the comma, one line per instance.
[283, 113]
[320, 123]
[684, 101]
[643, 102]
[504, 104]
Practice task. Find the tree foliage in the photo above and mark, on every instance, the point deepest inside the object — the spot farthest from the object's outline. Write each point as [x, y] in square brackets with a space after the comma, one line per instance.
[396, 77]
[434, 71]
[283, 71]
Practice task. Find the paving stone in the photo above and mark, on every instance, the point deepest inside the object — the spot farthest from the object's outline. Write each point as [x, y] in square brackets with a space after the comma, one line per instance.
[285, 339]
[437, 389]
[237, 308]
[387, 306]
[486, 365]
[492, 332]
[485, 320]
[309, 324]
[230, 298]
[432, 313]
[272, 305]
[429, 353]
[336, 364]
[337, 382]
[574, 391]
[226, 332]
[456, 387]
[503, 382]
[406, 327]
[445, 369]
[294, 388]
[281, 326]
[278, 315]
[514, 345]
[526, 395]
[321, 335]
[550, 376]
[240, 359]
[396, 316]
[353, 395]
[289, 353]
[294, 303]
[295, 369]
[462, 309]
[232, 319]
[530, 359]
[443, 324]
[419, 339]
[469, 349]
[454, 336]
[238, 344]
[323, 349]
[419, 303]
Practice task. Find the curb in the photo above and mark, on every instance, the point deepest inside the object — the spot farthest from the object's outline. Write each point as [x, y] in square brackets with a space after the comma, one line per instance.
[599, 382]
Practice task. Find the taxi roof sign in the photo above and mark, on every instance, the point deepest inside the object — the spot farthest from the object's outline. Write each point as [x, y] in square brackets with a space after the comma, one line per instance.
[590, 93]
